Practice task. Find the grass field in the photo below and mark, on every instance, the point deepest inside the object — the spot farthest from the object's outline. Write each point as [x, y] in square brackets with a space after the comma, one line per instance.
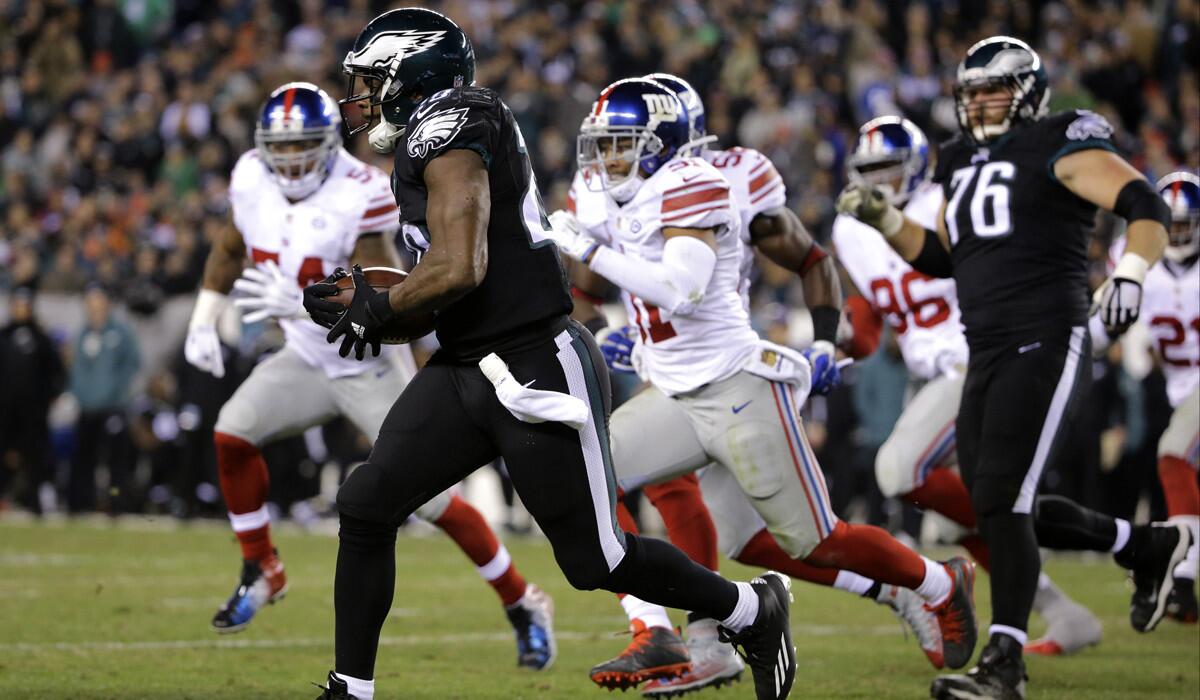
[91, 611]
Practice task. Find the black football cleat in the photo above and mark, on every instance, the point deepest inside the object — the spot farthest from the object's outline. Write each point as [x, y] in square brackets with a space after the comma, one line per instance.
[655, 652]
[1153, 575]
[335, 689]
[1000, 675]
[766, 645]
[956, 616]
[1181, 604]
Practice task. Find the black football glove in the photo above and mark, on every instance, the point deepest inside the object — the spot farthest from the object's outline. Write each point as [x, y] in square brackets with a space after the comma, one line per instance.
[324, 313]
[363, 322]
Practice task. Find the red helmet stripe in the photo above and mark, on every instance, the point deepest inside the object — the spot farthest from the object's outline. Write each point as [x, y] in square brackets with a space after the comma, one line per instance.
[287, 103]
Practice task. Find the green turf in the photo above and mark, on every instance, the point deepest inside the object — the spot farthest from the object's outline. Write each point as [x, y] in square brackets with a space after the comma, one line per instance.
[89, 611]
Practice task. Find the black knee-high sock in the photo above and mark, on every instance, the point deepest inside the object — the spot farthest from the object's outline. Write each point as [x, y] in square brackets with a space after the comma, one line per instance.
[1064, 524]
[658, 572]
[362, 593]
[1015, 565]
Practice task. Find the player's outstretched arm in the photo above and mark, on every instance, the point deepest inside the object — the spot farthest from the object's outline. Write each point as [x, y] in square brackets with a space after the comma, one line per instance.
[927, 251]
[779, 235]
[1106, 180]
[459, 207]
[202, 347]
[588, 290]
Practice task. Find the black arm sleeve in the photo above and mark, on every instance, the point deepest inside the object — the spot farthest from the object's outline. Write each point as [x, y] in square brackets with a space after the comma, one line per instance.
[934, 259]
[1138, 200]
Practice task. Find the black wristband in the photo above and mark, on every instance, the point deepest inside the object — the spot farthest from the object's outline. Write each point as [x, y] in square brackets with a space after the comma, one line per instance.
[825, 321]
[1138, 200]
[595, 324]
[934, 259]
[379, 306]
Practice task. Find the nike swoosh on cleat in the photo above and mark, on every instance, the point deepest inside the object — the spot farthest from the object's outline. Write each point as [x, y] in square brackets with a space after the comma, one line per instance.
[738, 409]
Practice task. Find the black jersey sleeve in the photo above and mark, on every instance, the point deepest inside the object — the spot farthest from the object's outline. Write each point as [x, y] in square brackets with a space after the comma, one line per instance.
[468, 117]
[1072, 131]
[945, 153]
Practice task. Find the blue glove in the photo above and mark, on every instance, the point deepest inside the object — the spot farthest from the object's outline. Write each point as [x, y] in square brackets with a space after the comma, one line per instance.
[825, 373]
[616, 344]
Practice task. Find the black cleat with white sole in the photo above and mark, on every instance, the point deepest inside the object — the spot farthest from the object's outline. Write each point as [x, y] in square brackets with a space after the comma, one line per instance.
[1153, 576]
[335, 689]
[766, 645]
[1000, 675]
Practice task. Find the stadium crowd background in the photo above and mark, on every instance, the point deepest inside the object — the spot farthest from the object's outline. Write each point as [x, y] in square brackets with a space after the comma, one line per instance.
[120, 121]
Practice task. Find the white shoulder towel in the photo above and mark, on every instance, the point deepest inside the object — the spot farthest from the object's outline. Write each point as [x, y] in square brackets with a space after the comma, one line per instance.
[532, 405]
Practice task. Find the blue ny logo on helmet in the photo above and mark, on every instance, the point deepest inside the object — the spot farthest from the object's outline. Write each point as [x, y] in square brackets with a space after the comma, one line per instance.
[697, 126]
[1181, 191]
[634, 128]
[298, 135]
[891, 153]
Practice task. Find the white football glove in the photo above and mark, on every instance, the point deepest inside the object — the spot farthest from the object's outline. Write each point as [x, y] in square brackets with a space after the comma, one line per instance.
[570, 239]
[202, 348]
[1119, 299]
[269, 294]
[871, 206]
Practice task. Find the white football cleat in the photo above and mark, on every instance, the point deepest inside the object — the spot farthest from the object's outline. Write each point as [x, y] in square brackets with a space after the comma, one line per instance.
[911, 609]
[714, 664]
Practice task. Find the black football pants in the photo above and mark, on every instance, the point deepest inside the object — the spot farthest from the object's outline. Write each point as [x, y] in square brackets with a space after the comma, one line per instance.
[447, 423]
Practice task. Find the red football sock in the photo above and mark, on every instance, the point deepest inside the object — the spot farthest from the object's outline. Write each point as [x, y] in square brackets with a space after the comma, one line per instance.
[978, 548]
[466, 526]
[244, 484]
[1179, 485]
[869, 551]
[689, 525]
[945, 493]
[762, 550]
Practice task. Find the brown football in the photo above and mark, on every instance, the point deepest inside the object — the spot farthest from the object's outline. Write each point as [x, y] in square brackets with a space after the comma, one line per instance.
[402, 329]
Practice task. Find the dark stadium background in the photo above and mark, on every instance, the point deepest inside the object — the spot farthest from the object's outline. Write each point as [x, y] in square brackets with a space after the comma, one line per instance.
[120, 121]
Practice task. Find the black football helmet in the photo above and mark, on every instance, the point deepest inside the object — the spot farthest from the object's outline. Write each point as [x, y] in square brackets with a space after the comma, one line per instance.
[1009, 63]
[403, 56]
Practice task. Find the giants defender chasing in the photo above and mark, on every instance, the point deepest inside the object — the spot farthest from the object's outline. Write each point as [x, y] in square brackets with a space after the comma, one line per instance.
[1021, 190]
[767, 225]
[669, 242]
[1171, 310]
[916, 462]
[303, 205]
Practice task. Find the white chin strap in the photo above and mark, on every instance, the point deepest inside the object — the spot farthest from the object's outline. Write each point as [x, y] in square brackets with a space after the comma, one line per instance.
[383, 137]
[626, 190]
[1180, 253]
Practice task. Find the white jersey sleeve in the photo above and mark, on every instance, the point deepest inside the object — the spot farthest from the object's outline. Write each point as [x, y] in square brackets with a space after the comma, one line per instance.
[249, 177]
[713, 341]
[379, 211]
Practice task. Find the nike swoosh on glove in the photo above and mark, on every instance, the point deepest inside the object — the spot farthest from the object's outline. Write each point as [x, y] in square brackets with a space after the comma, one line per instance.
[825, 373]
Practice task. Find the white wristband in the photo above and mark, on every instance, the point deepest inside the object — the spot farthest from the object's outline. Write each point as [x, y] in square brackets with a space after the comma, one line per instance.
[209, 305]
[891, 223]
[1132, 267]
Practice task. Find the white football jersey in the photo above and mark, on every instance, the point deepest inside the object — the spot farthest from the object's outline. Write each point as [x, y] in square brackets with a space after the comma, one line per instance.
[683, 352]
[1171, 310]
[922, 311]
[756, 187]
[311, 237]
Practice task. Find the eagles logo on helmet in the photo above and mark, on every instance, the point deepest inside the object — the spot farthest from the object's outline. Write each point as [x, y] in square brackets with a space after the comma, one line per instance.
[1005, 63]
[402, 57]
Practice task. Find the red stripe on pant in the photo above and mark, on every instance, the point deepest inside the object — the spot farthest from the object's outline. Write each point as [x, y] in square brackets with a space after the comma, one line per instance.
[244, 485]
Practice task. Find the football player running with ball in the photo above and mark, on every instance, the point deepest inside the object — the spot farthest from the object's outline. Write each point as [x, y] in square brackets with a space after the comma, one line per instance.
[671, 242]
[302, 205]
[1021, 191]
[514, 377]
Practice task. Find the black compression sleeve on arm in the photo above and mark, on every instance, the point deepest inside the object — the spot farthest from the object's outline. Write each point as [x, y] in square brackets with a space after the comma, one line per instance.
[1138, 200]
[825, 321]
[934, 259]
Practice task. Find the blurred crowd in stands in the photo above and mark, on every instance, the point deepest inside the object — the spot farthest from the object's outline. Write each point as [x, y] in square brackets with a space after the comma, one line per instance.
[120, 121]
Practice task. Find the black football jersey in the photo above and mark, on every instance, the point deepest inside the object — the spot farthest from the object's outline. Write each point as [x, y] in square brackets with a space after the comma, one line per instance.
[1018, 237]
[524, 292]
